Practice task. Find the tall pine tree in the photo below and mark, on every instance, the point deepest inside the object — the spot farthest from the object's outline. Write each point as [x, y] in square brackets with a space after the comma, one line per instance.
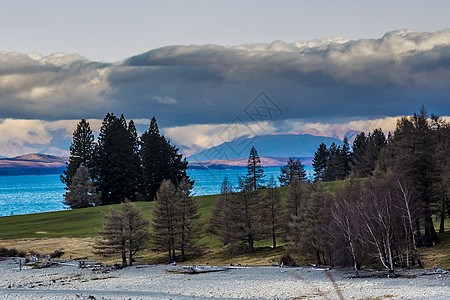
[116, 161]
[320, 162]
[160, 160]
[366, 150]
[255, 173]
[413, 142]
[81, 151]
[294, 169]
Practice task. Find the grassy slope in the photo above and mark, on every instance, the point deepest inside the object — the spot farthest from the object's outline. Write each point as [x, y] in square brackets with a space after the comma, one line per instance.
[83, 222]
[28, 230]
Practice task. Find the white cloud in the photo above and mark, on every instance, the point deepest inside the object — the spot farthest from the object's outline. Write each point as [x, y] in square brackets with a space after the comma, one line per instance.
[21, 131]
[165, 100]
[19, 136]
[209, 135]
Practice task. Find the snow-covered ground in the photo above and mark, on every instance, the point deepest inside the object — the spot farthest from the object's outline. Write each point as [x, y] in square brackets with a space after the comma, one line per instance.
[153, 282]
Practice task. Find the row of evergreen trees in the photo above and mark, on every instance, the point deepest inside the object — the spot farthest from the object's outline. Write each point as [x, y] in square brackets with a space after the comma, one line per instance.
[337, 162]
[121, 164]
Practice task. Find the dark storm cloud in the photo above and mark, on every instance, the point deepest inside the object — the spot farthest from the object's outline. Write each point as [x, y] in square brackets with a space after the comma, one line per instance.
[392, 75]
[317, 80]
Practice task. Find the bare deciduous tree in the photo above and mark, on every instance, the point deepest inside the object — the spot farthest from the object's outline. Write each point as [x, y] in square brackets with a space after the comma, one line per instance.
[175, 219]
[124, 232]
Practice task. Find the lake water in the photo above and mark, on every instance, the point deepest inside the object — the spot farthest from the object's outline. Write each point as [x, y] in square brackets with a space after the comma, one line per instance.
[42, 193]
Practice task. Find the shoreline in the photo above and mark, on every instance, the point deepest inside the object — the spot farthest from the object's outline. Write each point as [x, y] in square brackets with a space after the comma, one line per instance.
[154, 282]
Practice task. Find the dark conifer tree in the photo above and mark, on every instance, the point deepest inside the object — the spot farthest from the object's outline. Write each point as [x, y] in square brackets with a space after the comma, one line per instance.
[411, 153]
[366, 150]
[255, 173]
[334, 167]
[81, 151]
[358, 163]
[160, 160]
[320, 162]
[346, 157]
[135, 160]
[116, 166]
[293, 169]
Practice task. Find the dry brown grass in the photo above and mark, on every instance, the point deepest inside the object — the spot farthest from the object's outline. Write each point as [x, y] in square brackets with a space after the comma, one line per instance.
[72, 247]
[439, 255]
[82, 247]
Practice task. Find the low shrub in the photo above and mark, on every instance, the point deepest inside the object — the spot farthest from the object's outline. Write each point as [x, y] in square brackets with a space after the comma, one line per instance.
[13, 252]
[287, 260]
[57, 253]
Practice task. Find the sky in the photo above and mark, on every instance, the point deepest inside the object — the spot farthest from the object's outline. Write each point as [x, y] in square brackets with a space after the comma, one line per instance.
[199, 66]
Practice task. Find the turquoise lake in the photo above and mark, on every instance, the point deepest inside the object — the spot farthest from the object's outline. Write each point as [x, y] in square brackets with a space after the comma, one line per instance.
[41, 193]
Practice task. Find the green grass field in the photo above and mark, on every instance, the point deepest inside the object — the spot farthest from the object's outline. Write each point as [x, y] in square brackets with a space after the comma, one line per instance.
[85, 222]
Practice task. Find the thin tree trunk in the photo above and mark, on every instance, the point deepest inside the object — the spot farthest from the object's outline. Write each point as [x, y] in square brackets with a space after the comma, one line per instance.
[124, 258]
[330, 259]
[406, 199]
[130, 253]
[431, 237]
[318, 258]
[447, 205]
[250, 244]
[442, 223]
[274, 240]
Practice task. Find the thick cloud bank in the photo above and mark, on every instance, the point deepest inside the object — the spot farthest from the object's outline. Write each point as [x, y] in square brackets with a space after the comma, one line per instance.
[316, 81]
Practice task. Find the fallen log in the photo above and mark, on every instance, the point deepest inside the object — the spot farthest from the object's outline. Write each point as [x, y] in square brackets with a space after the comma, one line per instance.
[197, 269]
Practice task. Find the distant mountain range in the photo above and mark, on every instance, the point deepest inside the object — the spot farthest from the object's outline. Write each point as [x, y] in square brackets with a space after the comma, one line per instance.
[272, 145]
[242, 162]
[32, 164]
[274, 149]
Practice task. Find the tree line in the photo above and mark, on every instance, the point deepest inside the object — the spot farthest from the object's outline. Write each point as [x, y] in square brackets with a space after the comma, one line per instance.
[175, 219]
[387, 216]
[393, 186]
[391, 214]
[120, 164]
